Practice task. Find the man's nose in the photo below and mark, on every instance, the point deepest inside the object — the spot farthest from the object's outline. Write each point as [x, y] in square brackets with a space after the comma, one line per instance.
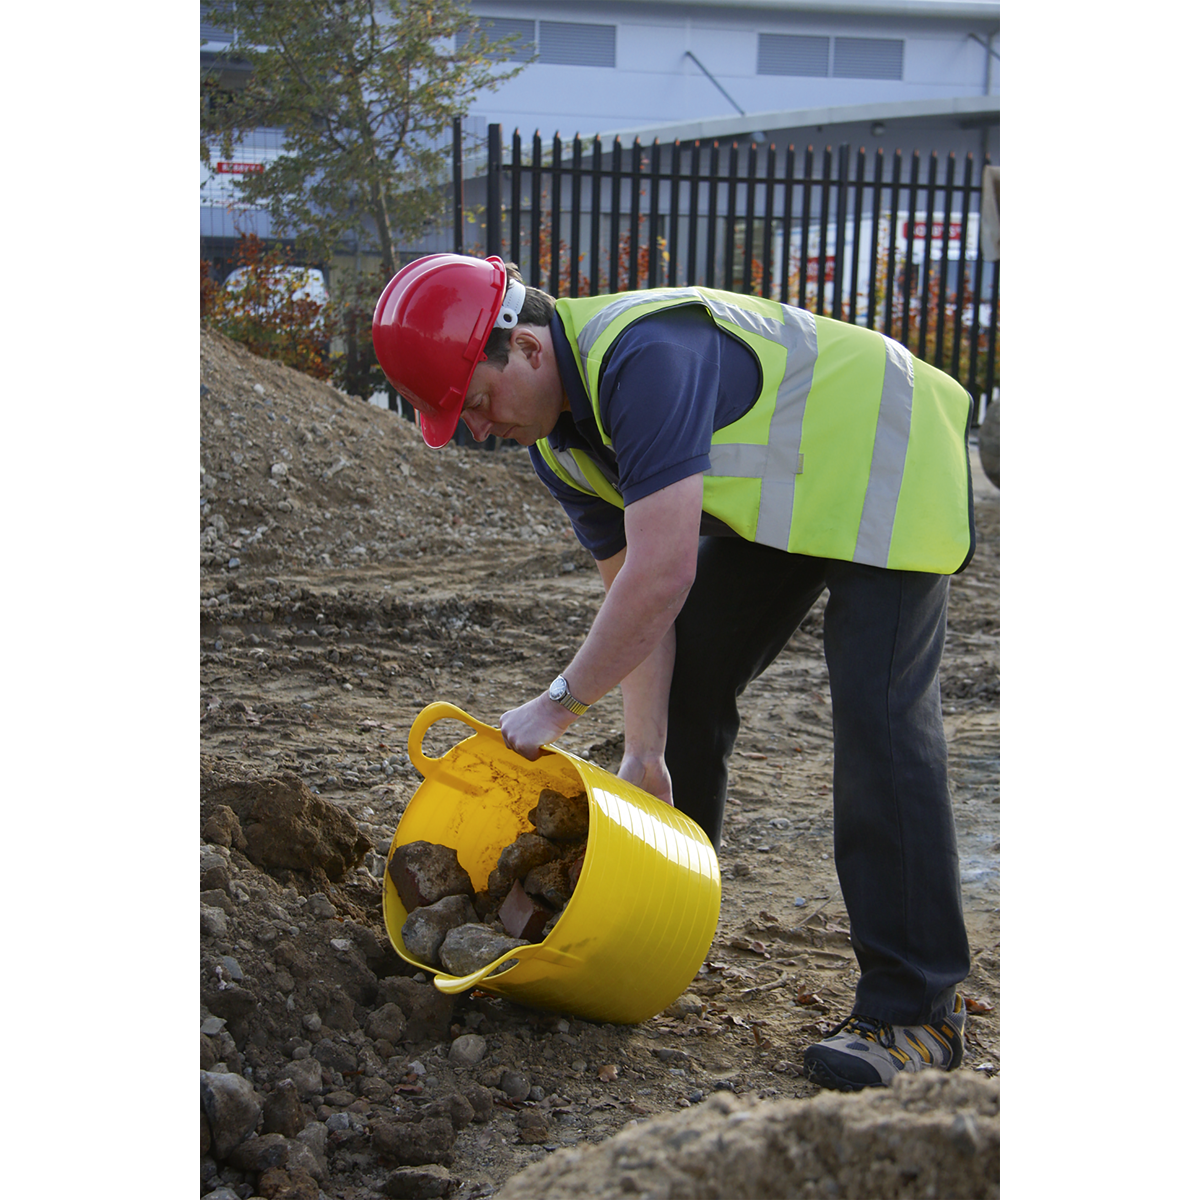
[477, 424]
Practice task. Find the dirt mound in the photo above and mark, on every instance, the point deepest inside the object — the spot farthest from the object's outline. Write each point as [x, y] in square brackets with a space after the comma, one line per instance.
[350, 576]
[283, 827]
[927, 1135]
[295, 472]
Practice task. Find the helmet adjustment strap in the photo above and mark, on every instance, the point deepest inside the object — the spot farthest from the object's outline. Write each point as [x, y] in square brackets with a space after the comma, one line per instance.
[510, 310]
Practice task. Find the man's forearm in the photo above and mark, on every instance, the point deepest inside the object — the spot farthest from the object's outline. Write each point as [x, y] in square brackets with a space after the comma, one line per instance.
[647, 584]
[645, 692]
[635, 618]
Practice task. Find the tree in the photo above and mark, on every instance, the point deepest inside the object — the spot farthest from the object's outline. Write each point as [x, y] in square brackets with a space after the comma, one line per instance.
[362, 90]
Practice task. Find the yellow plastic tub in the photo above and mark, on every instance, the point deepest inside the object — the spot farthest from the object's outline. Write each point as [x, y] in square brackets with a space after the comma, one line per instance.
[644, 911]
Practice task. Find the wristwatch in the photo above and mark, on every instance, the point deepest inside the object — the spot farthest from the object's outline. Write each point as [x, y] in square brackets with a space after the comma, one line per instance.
[561, 694]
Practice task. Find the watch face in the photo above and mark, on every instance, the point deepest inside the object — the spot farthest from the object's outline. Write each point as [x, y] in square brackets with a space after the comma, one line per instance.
[558, 689]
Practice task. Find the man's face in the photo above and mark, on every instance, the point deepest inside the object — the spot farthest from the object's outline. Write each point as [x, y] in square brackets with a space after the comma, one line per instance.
[523, 401]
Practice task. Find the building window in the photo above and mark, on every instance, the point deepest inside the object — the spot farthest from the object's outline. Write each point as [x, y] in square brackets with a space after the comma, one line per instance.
[868, 58]
[495, 28]
[560, 43]
[792, 54]
[571, 44]
[216, 21]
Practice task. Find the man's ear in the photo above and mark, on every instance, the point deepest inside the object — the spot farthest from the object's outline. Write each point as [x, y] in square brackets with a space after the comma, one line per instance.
[529, 344]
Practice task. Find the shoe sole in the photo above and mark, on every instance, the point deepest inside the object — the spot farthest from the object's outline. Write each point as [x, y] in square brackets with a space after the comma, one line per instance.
[822, 1076]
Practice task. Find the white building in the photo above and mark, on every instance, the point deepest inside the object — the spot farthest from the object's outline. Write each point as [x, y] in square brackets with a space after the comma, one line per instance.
[891, 74]
[710, 68]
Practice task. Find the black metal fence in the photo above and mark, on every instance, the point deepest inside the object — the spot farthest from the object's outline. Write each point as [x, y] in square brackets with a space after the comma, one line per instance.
[891, 245]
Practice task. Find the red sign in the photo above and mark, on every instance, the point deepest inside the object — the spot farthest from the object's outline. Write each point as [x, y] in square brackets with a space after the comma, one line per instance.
[236, 168]
[920, 227]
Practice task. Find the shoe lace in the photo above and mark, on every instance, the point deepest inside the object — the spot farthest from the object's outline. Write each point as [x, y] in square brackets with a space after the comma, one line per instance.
[869, 1029]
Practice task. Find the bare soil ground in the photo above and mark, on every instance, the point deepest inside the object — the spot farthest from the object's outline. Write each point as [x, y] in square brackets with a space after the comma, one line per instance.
[349, 576]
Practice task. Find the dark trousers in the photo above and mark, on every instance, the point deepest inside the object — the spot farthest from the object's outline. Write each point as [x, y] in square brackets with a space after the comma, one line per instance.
[894, 841]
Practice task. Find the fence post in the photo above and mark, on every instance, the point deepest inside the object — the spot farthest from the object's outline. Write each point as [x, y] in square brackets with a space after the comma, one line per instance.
[514, 222]
[576, 209]
[493, 191]
[458, 186]
[751, 208]
[839, 234]
[730, 214]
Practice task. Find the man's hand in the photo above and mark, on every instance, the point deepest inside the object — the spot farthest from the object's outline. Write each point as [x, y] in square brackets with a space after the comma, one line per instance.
[534, 725]
[650, 774]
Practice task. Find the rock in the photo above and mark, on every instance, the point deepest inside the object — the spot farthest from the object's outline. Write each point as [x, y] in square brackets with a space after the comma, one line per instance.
[213, 922]
[302, 1158]
[426, 927]
[876, 1143]
[336, 1008]
[260, 1154]
[229, 1002]
[551, 882]
[427, 1011]
[515, 1086]
[533, 1126]
[223, 828]
[387, 1023]
[413, 1144]
[480, 1099]
[232, 1107]
[560, 818]
[315, 1137]
[467, 1050]
[337, 1056]
[529, 850]
[456, 1108]
[471, 947]
[425, 872]
[280, 1184]
[215, 898]
[208, 1052]
[374, 1089]
[215, 878]
[419, 1183]
[523, 916]
[319, 906]
[306, 1074]
[286, 826]
[282, 1112]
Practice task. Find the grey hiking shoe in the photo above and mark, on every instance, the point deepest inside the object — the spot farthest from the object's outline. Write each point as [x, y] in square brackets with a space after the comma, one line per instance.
[862, 1052]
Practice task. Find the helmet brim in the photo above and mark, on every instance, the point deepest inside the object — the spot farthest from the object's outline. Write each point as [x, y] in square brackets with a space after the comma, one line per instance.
[438, 430]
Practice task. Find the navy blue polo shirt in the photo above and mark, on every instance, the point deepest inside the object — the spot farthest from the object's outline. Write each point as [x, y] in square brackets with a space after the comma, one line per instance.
[667, 382]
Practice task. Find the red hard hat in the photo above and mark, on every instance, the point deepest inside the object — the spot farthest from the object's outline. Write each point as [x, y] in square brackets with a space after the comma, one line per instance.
[431, 326]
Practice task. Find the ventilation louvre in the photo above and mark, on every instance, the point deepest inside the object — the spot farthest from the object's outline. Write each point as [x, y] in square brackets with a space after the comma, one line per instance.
[495, 28]
[868, 58]
[573, 44]
[792, 54]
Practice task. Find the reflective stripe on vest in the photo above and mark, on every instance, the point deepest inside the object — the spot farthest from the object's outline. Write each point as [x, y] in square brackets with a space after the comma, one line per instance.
[851, 511]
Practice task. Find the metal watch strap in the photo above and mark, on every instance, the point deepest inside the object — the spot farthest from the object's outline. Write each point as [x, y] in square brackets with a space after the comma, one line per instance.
[565, 698]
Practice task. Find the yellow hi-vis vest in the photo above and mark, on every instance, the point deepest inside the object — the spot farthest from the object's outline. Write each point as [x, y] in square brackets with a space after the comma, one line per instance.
[854, 449]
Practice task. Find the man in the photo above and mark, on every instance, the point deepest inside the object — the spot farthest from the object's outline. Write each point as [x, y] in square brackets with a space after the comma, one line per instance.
[726, 459]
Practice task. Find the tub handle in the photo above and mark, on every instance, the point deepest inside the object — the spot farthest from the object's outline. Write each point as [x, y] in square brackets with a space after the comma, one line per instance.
[452, 985]
[437, 711]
